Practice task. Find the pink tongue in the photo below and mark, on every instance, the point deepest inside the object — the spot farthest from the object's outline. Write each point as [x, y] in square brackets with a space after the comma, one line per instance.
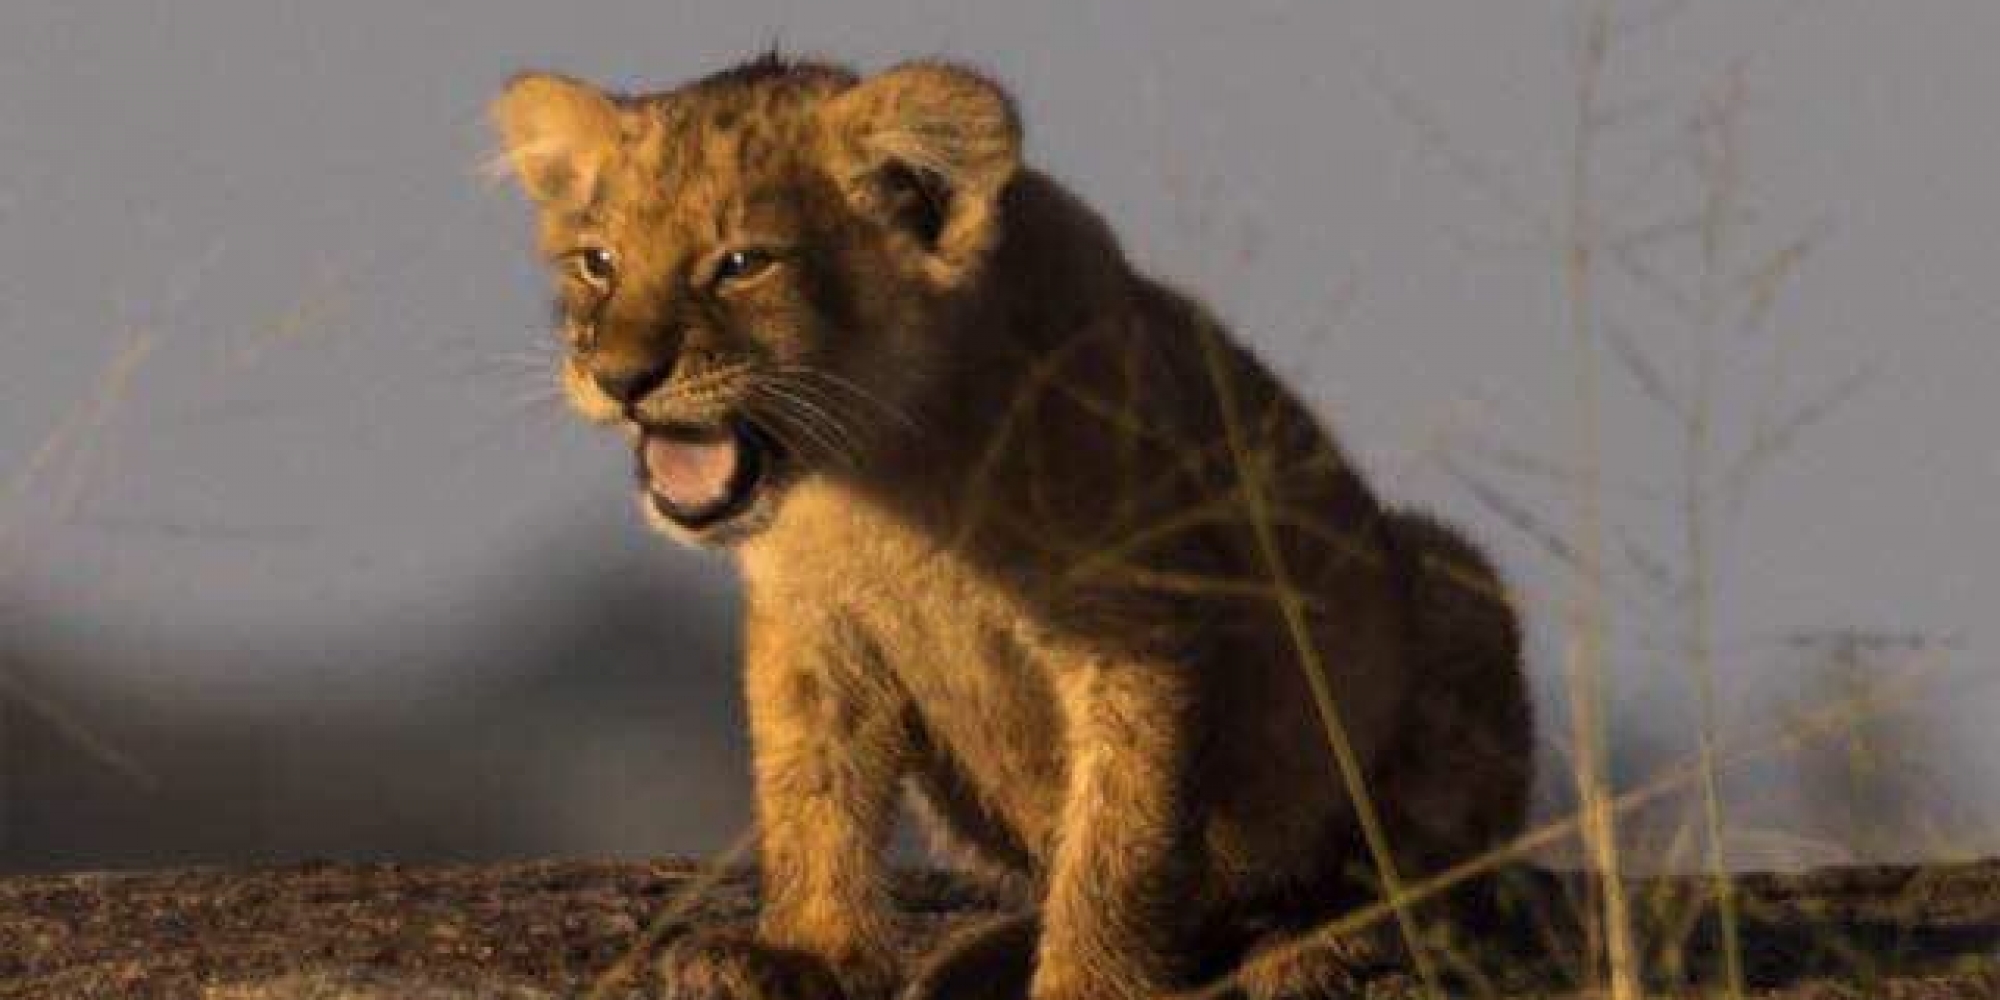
[691, 473]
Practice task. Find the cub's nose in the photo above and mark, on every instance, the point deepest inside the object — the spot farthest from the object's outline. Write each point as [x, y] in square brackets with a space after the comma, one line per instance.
[629, 383]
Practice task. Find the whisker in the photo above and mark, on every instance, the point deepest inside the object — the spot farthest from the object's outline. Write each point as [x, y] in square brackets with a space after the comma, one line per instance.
[828, 414]
[836, 424]
[837, 408]
[778, 410]
[819, 395]
[841, 446]
[776, 423]
[817, 405]
[834, 380]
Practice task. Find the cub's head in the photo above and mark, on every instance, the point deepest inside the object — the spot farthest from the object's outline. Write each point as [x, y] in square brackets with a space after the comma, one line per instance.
[754, 273]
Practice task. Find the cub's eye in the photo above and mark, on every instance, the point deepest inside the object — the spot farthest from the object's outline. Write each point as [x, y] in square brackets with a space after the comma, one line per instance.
[737, 265]
[596, 266]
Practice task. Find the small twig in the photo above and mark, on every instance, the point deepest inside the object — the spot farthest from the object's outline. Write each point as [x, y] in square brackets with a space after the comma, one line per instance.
[1770, 444]
[12, 689]
[1645, 373]
[1650, 566]
[706, 878]
[1768, 279]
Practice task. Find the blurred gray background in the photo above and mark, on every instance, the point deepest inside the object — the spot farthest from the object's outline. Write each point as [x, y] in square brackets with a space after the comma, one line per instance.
[294, 562]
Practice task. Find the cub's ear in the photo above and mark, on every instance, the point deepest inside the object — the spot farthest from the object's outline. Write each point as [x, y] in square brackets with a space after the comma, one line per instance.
[927, 147]
[557, 134]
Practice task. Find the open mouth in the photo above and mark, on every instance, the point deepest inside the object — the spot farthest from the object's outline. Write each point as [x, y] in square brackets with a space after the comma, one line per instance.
[698, 477]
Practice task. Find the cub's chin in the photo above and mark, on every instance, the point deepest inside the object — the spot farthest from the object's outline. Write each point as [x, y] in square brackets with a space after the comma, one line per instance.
[710, 485]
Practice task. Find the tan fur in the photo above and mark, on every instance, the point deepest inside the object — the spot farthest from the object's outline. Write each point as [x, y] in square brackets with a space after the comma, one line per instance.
[1026, 550]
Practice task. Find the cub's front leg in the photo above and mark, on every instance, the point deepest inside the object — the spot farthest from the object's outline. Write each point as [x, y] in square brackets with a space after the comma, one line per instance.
[829, 747]
[1116, 915]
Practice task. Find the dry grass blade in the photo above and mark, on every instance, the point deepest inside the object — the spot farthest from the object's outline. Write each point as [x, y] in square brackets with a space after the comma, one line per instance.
[1645, 373]
[1767, 280]
[1650, 567]
[1250, 480]
[673, 911]
[14, 691]
[1521, 461]
[1772, 442]
[73, 433]
[1720, 171]
[1587, 652]
[1635, 267]
[1765, 285]
[90, 452]
[1516, 514]
[307, 318]
[1041, 376]
[1434, 138]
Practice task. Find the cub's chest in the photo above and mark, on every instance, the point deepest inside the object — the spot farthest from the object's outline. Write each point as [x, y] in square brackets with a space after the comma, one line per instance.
[951, 641]
[982, 693]
[964, 649]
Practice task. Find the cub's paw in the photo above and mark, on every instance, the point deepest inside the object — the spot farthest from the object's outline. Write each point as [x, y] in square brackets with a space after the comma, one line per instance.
[732, 967]
[1303, 969]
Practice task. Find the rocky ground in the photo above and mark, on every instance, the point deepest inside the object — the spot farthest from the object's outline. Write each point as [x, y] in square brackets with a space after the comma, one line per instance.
[566, 929]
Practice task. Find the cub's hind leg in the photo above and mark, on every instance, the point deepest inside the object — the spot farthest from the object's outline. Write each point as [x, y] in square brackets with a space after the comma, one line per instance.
[1457, 784]
[1451, 786]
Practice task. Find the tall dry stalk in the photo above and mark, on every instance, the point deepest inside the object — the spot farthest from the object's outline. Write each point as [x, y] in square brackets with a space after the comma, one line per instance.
[1715, 475]
[1719, 181]
[1587, 652]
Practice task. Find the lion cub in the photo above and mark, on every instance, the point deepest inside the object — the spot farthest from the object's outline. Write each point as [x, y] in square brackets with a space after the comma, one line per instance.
[1023, 532]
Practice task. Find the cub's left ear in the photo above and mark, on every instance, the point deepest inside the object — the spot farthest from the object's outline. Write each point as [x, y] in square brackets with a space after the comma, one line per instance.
[558, 134]
[928, 147]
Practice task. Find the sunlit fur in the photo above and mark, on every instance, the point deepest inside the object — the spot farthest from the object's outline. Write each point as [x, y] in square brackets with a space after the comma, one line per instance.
[1027, 555]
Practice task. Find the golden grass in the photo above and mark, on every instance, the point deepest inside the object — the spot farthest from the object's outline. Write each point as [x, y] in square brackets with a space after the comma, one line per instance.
[1715, 478]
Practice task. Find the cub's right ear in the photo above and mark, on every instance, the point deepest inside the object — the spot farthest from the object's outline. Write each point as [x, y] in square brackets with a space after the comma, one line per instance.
[929, 146]
[557, 134]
